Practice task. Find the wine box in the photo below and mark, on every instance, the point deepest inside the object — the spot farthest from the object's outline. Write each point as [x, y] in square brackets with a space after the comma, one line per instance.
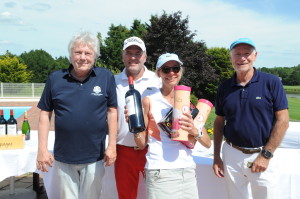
[8, 142]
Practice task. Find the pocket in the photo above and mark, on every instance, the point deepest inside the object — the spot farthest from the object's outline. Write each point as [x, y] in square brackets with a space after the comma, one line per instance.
[152, 176]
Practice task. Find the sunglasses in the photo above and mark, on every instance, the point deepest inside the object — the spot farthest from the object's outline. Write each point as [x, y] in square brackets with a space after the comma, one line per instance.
[167, 70]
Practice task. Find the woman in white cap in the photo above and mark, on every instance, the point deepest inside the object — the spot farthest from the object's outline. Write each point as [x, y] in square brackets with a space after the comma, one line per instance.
[170, 169]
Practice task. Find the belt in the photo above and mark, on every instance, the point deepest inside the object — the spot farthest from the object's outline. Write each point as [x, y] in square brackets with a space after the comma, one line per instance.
[246, 151]
[133, 147]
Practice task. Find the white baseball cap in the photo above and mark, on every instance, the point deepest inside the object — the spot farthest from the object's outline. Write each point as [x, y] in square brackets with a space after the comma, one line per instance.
[134, 41]
[167, 57]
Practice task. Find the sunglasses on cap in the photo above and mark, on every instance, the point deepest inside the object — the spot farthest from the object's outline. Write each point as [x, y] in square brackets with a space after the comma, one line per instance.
[167, 70]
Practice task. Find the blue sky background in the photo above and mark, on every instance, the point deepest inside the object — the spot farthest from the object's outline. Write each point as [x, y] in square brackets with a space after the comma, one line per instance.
[274, 25]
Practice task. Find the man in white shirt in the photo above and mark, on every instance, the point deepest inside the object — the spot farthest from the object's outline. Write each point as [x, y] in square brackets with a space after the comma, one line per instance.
[130, 160]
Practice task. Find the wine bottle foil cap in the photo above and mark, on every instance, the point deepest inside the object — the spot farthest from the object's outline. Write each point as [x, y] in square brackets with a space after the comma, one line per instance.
[130, 80]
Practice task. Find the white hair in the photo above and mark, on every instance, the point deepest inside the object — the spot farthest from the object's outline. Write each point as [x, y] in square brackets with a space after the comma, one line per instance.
[84, 37]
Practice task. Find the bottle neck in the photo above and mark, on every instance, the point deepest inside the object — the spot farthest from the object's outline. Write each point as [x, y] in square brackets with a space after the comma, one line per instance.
[131, 86]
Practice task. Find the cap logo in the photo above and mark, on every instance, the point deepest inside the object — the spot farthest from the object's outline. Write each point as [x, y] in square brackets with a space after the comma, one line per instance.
[133, 40]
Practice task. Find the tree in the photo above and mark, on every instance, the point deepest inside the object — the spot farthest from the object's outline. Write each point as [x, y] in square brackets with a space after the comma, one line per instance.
[12, 70]
[40, 63]
[221, 63]
[61, 63]
[170, 33]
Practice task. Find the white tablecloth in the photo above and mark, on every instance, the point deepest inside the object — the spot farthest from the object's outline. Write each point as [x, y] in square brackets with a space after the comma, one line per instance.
[209, 186]
[18, 162]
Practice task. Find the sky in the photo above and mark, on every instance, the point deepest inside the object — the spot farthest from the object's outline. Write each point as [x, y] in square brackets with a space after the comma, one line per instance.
[273, 25]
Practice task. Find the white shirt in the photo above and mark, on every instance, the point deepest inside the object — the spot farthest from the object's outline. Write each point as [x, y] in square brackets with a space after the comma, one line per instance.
[146, 85]
[165, 153]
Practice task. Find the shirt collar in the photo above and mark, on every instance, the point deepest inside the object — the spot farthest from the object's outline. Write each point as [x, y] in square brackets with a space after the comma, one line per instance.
[146, 75]
[255, 78]
[67, 73]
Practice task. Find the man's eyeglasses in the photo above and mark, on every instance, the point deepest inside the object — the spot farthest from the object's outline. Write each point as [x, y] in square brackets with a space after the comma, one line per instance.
[167, 70]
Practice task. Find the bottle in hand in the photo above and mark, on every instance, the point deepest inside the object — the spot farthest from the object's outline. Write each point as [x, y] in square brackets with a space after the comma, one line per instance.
[3, 123]
[12, 128]
[134, 106]
[26, 127]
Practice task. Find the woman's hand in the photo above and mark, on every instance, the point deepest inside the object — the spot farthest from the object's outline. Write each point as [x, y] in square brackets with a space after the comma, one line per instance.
[187, 124]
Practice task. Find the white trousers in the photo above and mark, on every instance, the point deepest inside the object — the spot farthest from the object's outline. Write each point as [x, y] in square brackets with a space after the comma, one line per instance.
[241, 183]
[172, 183]
[80, 180]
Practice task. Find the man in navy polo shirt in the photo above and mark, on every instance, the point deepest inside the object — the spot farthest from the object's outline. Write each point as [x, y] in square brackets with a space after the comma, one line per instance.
[252, 115]
[84, 101]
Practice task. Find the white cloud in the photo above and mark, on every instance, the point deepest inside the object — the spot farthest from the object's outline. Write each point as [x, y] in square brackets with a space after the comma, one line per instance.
[40, 7]
[217, 24]
[4, 42]
[6, 18]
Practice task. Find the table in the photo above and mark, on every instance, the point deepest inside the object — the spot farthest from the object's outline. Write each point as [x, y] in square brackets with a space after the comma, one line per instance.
[288, 164]
[18, 162]
[289, 178]
[22, 161]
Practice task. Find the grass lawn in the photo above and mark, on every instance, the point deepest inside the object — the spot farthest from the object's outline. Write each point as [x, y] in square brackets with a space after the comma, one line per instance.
[294, 109]
[292, 89]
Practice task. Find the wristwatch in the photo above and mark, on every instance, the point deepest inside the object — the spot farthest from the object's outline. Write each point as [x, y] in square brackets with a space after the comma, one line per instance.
[266, 153]
[200, 134]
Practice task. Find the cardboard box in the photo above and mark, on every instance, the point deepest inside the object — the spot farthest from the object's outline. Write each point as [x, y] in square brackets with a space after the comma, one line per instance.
[8, 142]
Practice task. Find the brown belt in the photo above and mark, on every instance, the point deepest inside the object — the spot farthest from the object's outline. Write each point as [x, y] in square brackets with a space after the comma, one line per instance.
[246, 151]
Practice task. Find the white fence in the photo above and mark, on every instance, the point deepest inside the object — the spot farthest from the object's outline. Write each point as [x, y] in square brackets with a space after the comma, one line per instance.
[21, 89]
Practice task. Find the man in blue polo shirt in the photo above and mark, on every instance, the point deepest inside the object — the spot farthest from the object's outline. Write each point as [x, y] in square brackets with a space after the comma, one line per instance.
[84, 101]
[252, 115]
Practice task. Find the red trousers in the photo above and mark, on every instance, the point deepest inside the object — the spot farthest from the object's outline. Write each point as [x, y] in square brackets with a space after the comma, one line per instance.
[128, 165]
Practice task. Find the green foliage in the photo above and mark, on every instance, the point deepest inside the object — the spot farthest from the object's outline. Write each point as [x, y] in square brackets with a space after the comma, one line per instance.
[194, 99]
[12, 71]
[289, 76]
[40, 63]
[170, 33]
[62, 63]
[221, 63]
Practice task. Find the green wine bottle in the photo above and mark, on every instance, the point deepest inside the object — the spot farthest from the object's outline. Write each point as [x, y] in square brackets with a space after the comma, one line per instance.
[26, 127]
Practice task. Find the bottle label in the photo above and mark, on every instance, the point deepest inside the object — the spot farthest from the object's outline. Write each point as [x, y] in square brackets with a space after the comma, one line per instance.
[27, 134]
[11, 129]
[2, 129]
[130, 105]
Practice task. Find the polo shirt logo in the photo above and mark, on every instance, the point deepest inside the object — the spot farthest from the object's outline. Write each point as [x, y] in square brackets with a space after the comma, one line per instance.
[258, 97]
[96, 91]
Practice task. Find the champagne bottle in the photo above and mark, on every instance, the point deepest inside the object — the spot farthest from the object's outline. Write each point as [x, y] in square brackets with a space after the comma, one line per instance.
[12, 128]
[3, 123]
[26, 127]
[134, 106]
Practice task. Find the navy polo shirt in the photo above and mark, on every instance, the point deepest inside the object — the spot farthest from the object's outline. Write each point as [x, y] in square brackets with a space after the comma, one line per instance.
[80, 113]
[249, 110]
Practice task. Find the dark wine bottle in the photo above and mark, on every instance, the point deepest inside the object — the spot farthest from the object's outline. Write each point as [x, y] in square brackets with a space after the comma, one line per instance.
[134, 106]
[26, 127]
[12, 128]
[3, 123]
